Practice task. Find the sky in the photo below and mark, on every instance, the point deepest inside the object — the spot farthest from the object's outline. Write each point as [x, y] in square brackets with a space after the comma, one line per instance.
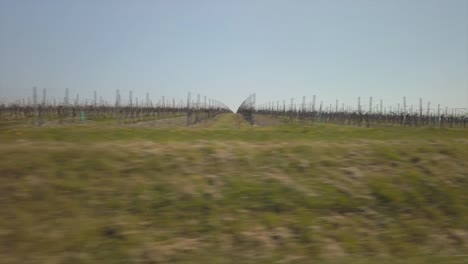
[334, 49]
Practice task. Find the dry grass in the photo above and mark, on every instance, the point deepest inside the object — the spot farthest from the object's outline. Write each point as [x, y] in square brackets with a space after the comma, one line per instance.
[208, 200]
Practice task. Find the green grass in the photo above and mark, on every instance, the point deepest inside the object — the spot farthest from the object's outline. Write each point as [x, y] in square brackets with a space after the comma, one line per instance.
[226, 128]
[225, 192]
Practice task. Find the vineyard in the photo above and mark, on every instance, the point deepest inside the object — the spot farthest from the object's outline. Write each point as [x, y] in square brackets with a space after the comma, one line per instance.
[309, 113]
[45, 112]
[192, 182]
[233, 132]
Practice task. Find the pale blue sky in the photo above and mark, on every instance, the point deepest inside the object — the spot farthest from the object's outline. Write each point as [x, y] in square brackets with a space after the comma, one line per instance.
[229, 49]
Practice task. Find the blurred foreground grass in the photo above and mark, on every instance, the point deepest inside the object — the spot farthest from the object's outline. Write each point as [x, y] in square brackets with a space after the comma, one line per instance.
[225, 192]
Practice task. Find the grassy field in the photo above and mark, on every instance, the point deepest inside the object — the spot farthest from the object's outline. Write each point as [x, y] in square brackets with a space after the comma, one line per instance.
[227, 192]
